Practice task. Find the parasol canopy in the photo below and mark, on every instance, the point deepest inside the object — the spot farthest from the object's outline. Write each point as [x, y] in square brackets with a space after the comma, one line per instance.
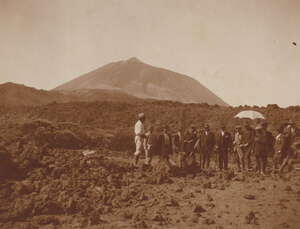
[250, 114]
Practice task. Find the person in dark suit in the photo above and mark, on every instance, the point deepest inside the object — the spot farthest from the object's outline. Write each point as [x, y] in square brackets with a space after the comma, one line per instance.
[223, 144]
[270, 139]
[207, 142]
[198, 149]
[260, 149]
[190, 139]
[150, 143]
[164, 145]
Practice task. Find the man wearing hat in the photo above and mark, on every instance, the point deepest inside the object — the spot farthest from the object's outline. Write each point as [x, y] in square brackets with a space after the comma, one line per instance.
[189, 142]
[223, 143]
[290, 130]
[279, 148]
[207, 142]
[248, 138]
[270, 139]
[238, 148]
[290, 133]
[140, 137]
[150, 144]
[177, 144]
[164, 145]
[260, 149]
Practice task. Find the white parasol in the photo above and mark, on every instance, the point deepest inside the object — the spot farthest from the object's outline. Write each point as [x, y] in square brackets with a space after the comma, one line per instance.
[250, 114]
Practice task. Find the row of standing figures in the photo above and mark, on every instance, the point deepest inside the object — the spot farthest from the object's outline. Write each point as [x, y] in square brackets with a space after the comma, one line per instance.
[246, 146]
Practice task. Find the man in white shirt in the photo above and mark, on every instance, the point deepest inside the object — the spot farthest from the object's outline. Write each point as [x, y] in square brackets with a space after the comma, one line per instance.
[140, 137]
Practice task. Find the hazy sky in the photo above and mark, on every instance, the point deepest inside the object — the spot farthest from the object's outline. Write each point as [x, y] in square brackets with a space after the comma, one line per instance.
[240, 49]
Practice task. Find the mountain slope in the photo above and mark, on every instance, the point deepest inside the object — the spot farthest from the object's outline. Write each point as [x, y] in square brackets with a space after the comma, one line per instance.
[12, 94]
[16, 94]
[145, 81]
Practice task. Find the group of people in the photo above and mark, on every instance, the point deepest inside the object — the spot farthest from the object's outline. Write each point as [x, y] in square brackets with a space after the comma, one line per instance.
[200, 146]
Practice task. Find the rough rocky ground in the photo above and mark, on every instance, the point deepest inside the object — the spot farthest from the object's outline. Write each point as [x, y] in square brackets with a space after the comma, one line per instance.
[46, 181]
[65, 189]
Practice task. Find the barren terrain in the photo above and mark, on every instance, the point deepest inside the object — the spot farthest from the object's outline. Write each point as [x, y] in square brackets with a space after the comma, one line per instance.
[49, 181]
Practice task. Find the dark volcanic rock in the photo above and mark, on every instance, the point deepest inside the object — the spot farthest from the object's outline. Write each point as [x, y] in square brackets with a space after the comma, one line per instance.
[249, 197]
[199, 209]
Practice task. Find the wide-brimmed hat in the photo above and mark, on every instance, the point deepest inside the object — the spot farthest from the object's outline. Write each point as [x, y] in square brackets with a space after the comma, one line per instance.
[141, 115]
[259, 127]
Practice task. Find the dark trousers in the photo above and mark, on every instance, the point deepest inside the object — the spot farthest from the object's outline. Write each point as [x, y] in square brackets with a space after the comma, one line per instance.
[201, 156]
[248, 152]
[223, 159]
[261, 162]
[240, 158]
[287, 160]
[206, 158]
[188, 155]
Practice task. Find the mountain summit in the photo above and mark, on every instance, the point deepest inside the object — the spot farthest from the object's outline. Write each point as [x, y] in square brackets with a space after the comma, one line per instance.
[145, 81]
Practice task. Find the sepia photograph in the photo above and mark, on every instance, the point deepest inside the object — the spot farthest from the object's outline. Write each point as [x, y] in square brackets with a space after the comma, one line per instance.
[149, 114]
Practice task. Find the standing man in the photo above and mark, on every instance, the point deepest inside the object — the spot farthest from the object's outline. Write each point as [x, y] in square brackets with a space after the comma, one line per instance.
[279, 147]
[140, 137]
[198, 147]
[248, 139]
[290, 133]
[207, 141]
[164, 145]
[223, 144]
[270, 140]
[177, 145]
[238, 148]
[150, 144]
[260, 149]
[190, 139]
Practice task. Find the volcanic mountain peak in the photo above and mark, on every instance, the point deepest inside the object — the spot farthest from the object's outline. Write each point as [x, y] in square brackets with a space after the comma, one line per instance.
[145, 81]
[133, 60]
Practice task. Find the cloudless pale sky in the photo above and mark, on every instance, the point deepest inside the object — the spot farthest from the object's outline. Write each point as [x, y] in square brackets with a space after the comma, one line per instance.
[240, 49]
